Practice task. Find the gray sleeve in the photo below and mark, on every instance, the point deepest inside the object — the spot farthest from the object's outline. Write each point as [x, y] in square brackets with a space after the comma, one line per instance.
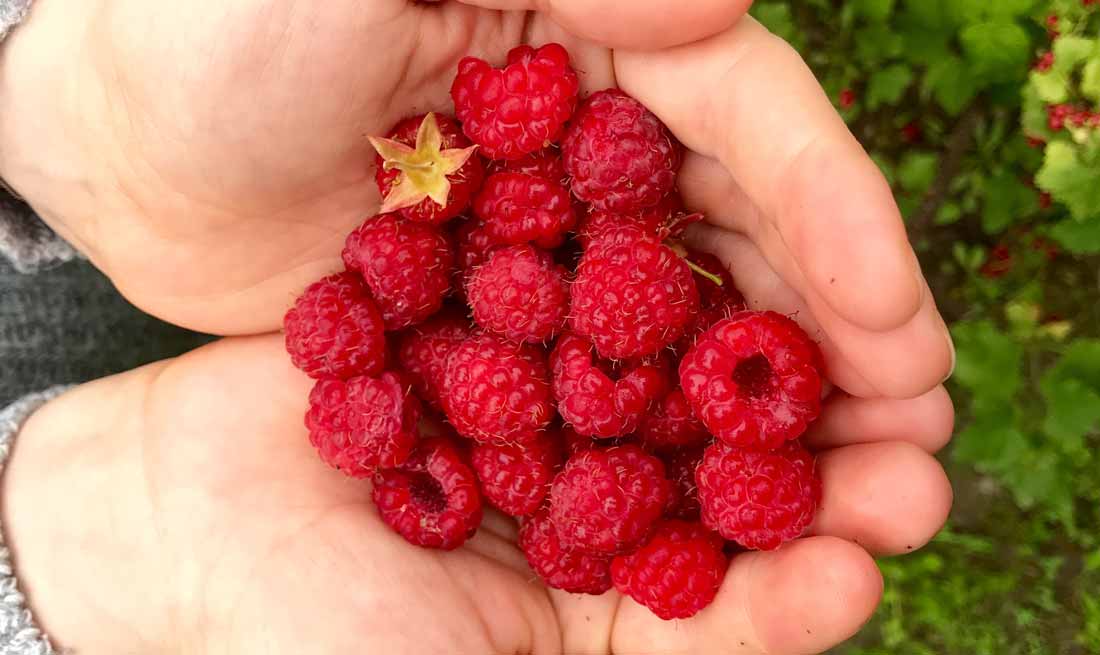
[18, 633]
[25, 240]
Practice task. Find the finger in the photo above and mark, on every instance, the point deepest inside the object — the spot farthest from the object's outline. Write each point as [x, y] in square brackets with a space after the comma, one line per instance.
[901, 363]
[926, 421]
[640, 24]
[804, 598]
[745, 98]
[889, 497]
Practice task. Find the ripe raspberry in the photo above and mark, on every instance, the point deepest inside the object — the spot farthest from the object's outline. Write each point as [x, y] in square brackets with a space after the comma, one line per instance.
[671, 424]
[544, 163]
[426, 169]
[632, 295]
[519, 109]
[754, 380]
[406, 265]
[570, 570]
[495, 391]
[659, 220]
[473, 245]
[676, 573]
[422, 352]
[758, 499]
[680, 465]
[432, 500]
[516, 478]
[335, 330]
[620, 156]
[595, 400]
[363, 423]
[606, 500]
[716, 302]
[518, 208]
[573, 443]
[520, 293]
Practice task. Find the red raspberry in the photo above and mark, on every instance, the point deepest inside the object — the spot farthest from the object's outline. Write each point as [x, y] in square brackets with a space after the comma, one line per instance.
[518, 208]
[431, 501]
[495, 391]
[422, 351]
[520, 293]
[516, 478]
[847, 99]
[406, 265]
[360, 424]
[473, 244]
[426, 141]
[544, 163]
[754, 380]
[335, 330]
[606, 500]
[1045, 62]
[676, 573]
[574, 443]
[519, 109]
[619, 155]
[570, 570]
[680, 465]
[758, 499]
[671, 424]
[596, 401]
[632, 294]
[998, 263]
[716, 302]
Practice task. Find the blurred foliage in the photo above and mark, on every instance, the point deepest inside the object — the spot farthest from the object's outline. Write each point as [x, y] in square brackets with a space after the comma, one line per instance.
[984, 117]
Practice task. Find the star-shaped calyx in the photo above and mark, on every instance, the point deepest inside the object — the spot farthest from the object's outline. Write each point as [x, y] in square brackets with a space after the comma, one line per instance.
[424, 168]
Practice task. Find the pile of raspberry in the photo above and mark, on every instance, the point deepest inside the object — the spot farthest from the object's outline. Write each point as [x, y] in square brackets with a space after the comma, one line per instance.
[520, 328]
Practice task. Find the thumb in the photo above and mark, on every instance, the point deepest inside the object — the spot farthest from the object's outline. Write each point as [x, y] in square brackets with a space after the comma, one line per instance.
[633, 24]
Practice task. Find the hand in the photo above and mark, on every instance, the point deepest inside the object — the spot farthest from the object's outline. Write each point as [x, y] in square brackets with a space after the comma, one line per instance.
[179, 508]
[211, 160]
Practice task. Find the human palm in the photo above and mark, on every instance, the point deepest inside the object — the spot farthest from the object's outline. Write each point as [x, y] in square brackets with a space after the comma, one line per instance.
[182, 505]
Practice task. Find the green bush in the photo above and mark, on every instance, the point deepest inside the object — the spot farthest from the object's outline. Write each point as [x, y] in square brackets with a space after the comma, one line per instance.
[984, 116]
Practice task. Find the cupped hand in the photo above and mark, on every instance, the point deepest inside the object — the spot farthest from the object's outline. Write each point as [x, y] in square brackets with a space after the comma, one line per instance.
[180, 508]
[211, 159]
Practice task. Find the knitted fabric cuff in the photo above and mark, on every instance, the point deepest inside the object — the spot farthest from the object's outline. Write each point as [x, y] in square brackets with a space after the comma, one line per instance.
[18, 633]
[24, 239]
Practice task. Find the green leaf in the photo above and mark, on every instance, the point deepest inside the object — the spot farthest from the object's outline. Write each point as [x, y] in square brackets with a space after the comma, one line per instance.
[988, 360]
[1079, 238]
[1080, 361]
[1009, 8]
[1052, 86]
[1069, 51]
[989, 441]
[776, 16]
[1070, 181]
[1090, 79]
[874, 10]
[950, 82]
[998, 49]
[917, 171]
[887, 85]
[878, 43]
[1006, 201]
[948, 213]
[1073, 411]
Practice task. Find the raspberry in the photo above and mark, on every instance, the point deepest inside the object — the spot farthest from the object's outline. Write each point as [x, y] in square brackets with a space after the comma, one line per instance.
[632, 294]
[473, 245]
[360, 424]
[594, 400]
[520, 293]
[619, 155]
[659, 220]
[716, 302]
[432, 500]
[422, 352]
[516, 478]
[676, 573]
[496, 391]
[754, 379]
[680, 465]
[426, 169]
[569, 570]
[544, 163]
[758, 499]
[671, 424]
[335, 330]
[518, 208]
[519, 109]
[406, 265]
[606, 500]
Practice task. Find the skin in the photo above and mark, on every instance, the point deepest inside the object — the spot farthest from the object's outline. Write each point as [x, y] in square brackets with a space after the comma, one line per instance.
[210, 162]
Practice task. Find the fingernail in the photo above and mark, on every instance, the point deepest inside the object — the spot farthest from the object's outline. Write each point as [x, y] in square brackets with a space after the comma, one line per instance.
[950, 347]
